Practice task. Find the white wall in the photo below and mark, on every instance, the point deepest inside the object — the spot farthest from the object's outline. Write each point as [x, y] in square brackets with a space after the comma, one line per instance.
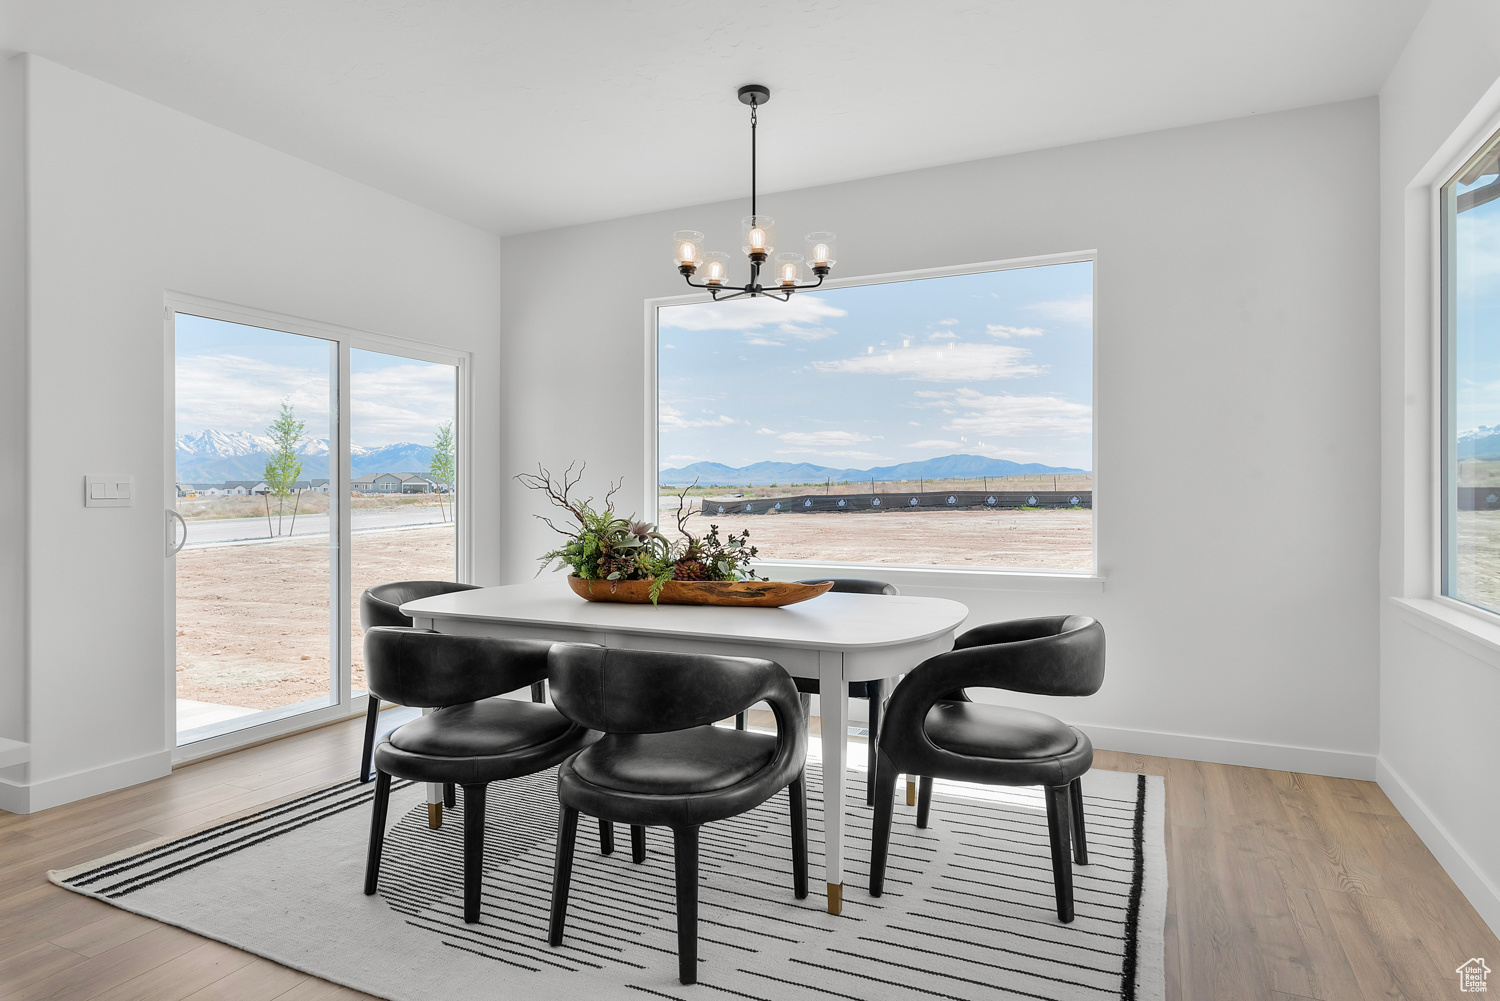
[128, 199]
[12, 397]
[1237, 308]
[1439, 689]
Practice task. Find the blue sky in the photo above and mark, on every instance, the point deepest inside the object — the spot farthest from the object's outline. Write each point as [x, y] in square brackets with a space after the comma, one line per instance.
[233, 377]
[996, 364]
[1477, 314]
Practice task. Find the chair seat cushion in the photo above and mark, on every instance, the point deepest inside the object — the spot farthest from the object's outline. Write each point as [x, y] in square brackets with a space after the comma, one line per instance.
[493, 726]
[698, 760]
[1000, 732]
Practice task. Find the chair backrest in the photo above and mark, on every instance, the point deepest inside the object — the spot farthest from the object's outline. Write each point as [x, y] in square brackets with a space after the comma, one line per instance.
[422, 668]
[1049, 655]
[381, 604]
[650, 691]
[856, 585]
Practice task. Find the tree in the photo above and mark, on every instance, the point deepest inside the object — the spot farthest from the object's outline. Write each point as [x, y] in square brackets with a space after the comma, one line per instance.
[283, 468]
[440, 466]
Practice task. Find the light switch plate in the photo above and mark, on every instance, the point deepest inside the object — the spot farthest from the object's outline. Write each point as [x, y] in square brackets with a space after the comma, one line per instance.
[116, 490]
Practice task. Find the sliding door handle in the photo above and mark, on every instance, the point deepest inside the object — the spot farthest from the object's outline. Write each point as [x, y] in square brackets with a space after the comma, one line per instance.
[173, 545]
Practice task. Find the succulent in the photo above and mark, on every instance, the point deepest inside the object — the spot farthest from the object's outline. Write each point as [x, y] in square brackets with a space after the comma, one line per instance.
[604, 546]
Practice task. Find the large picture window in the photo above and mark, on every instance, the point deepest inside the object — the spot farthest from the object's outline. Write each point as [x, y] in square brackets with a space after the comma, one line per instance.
[1470, 232]
[941, 420]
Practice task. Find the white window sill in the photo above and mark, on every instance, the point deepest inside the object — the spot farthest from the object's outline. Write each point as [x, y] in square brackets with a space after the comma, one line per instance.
[1475, 632]
[917, 577]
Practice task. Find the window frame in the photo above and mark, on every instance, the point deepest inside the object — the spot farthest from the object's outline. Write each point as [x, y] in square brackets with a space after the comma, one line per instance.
[1442, 485]
[904, 574]
[344, 339]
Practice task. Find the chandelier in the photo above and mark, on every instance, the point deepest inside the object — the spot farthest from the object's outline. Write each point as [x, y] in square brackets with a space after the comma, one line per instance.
[759, 243]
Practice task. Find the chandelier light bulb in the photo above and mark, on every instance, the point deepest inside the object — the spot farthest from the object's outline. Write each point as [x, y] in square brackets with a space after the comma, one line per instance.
[788, 268]
[821, 250]
[715, 268]
[687, 250]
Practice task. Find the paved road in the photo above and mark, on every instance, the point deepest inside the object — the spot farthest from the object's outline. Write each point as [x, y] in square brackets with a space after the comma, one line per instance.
[222, 530]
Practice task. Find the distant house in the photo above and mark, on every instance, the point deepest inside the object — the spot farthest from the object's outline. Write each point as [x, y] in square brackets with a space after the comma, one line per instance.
[244, 488]
[316, 486]
[393, 483]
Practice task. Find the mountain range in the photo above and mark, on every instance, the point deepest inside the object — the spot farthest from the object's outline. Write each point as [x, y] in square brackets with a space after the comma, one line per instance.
[766, 473]
[213, 456]
[1479, 443]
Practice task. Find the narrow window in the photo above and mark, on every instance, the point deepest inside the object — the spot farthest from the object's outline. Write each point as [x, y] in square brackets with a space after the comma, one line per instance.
[1470, 442]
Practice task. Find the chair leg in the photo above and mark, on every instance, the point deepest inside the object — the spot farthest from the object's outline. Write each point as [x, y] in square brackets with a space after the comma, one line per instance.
[539, 692]
[685, 854]
[924, 799]
[1062, 863]
[473, 849]
[377, 832]
[450, 795]
[637, 844]
[562, 872]
[798, 792]
[372, 719]
[1075, 809]
[742, 720]
[606, 838]
[880, 828]
[877, 702]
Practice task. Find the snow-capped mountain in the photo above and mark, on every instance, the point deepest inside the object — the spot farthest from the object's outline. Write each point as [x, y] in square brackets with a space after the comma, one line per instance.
[212, 456]
[1482, 442]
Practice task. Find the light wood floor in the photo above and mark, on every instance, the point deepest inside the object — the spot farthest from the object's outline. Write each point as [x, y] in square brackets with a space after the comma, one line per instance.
[1283, 887]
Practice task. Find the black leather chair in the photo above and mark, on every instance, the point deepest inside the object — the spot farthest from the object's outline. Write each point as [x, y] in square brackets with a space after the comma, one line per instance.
[933, 729]
[872, 690]
[475, 739]
[381, 606]
[662, 762]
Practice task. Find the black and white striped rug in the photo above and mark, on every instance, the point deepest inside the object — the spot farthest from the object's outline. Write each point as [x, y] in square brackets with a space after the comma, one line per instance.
[967, 913]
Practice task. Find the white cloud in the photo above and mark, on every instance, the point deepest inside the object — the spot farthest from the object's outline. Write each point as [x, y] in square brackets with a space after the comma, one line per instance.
[834, 453]
[1001, 330]
[948, 323]
[984, 416]
[672, 419]
[747, 314]
[955, 363]
[1078, 310]
[942, 335]
[764, 431]
[933, 443]
[824, 437]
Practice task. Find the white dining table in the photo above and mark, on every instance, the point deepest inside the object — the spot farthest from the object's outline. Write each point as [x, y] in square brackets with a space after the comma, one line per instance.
[835, 637]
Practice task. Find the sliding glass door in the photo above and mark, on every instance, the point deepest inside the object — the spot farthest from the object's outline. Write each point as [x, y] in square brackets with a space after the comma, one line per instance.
[403, 448]
[256, 417]
[308, 463]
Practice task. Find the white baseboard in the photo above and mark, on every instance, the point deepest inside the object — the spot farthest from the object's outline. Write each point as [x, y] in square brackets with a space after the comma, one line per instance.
[1471, 880]
[18, 798]
[1223, 751]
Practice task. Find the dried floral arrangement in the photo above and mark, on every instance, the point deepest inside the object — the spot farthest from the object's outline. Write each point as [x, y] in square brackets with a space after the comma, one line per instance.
[603, 546]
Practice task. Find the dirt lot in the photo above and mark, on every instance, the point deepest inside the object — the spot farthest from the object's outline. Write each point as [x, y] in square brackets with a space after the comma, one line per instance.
[1043, 540]
[1479, 557]
[253, 620]
[206, 508]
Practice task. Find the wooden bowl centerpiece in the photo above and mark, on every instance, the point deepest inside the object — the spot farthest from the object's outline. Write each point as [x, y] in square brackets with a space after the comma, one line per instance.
[748, 593]
[621, 559]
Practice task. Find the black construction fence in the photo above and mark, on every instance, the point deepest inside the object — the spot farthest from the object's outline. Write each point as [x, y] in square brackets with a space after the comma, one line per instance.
[1478, 498]
[952, 500]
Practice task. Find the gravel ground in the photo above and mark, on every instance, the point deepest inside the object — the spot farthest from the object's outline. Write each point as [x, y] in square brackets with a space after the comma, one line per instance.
[252, 621]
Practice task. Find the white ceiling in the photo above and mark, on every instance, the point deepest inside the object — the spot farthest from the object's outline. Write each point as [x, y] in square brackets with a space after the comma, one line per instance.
[517, 115]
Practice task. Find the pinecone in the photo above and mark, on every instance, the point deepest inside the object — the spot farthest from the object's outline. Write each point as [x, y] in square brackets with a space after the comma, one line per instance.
[689, 570]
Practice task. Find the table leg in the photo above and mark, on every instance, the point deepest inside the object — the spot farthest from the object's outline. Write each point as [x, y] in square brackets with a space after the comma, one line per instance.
[833, 698]
[434, 797]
